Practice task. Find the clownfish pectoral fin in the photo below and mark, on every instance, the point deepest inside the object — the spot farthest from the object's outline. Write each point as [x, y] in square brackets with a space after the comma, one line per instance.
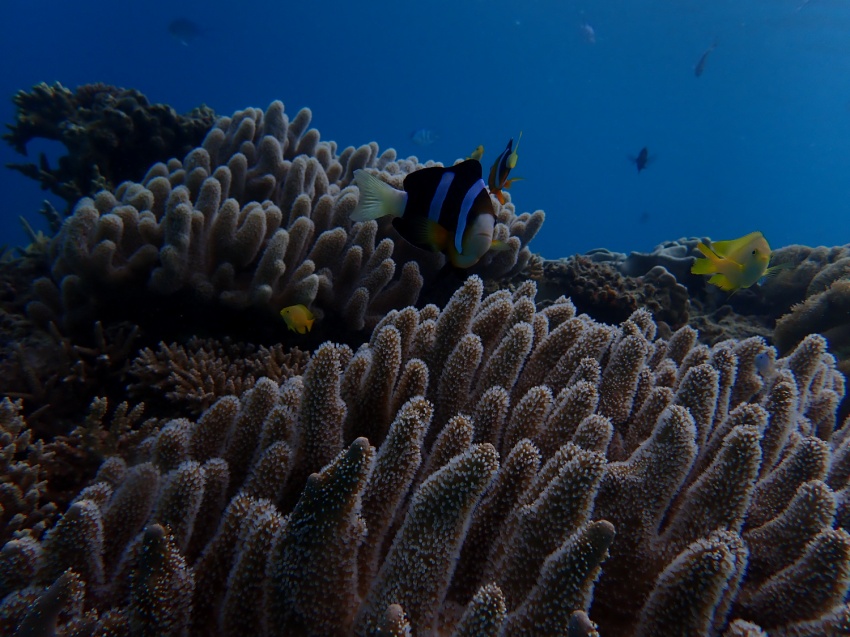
[377, 198]
[428, 234]
[510, 181]
[498, 195]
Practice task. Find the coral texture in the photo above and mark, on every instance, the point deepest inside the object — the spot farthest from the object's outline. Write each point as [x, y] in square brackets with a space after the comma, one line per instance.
[591, 472]
[258, 217]
[111, 135]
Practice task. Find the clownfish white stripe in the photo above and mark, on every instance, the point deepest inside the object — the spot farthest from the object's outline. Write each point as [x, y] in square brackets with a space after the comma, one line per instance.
[465, 207]
[439, 197]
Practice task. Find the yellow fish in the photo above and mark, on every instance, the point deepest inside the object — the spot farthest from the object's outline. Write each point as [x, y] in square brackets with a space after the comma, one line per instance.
[478, 153]
[298, 318]
[737, 263]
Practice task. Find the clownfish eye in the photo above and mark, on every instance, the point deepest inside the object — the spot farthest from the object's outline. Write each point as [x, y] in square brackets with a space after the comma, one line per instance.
[754, 252]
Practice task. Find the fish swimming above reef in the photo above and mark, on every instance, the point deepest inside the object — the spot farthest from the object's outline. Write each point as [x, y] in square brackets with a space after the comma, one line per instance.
[298, 318]
[477, 154]
[642, 160]
[735, 264]
[423, 137]
[440, 209]
[699, 67]
[502, 167]
[184, 30]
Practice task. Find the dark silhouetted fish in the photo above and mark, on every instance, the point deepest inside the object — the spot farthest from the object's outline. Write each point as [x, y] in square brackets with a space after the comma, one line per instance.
[700, 65]
[184, 31]
[642, 160]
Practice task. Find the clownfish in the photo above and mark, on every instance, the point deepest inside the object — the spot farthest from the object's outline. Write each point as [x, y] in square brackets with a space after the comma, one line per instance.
[441, 209]
[298, 318]
[736, 264]
[502, 167]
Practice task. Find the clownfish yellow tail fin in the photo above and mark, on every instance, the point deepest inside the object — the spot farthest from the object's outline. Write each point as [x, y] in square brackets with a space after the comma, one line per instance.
[377, 199]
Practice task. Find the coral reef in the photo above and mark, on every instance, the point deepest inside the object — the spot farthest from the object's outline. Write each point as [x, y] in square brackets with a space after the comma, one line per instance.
[431, 459]
[601, 290]
[256, 218]
[193, 376]
[111, 135]
[809, 295]
[523, 471]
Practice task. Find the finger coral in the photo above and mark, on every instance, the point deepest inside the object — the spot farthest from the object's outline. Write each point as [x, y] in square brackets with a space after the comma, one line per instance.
[258, 217]
[589, 479]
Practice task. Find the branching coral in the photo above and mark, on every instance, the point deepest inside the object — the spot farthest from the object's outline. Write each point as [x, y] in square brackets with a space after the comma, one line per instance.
[198, 373]
[111, 134]
[258, 216]
[698, 492]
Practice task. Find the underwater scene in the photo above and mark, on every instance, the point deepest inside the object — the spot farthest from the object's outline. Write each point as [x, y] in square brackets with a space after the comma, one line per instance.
[451, 319]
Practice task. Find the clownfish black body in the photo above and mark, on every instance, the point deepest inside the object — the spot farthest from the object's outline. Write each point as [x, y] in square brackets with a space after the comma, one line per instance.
[442, 209]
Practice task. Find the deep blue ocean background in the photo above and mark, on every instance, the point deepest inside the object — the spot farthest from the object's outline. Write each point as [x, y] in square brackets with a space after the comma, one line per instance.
[761, 141]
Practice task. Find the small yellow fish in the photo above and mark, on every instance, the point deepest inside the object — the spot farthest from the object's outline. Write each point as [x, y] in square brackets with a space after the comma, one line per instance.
[735, 264]
[298, 318]
[478, 153]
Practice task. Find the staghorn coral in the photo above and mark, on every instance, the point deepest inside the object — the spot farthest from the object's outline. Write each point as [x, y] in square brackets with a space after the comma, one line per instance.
[658, 492]
[257, 217]
[56, 374]
[111, 134]
[23, 479]
[200, 372]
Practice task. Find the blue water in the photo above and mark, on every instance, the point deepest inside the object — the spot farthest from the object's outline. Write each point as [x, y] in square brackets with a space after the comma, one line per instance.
[759, 142]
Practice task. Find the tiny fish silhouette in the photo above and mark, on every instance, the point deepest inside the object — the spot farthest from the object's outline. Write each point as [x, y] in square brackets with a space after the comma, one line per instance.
[642, 160]
[699, 67]
[184, 31]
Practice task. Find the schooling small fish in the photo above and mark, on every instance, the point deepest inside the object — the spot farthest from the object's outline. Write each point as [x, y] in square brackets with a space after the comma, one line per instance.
[502, 167]
[298, 318]
[184, 31]
[735, 264]
[423, 137]
[441, 209]
[699, 67]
